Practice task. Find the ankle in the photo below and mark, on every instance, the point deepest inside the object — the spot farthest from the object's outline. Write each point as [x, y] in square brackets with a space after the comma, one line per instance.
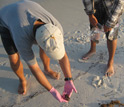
[23, 80]
[47, 69]
[92, 51]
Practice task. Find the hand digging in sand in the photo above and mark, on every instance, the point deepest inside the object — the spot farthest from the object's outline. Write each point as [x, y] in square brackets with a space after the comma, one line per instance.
[110, 71]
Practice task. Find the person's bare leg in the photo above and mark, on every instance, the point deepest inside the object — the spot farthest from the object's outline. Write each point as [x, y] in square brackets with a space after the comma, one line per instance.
[91, 52]
[46, 62]
[65, 66]
[111, 49]
[17, 67]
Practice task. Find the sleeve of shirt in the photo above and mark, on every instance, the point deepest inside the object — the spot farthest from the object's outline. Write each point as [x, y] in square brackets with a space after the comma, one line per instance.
[26, 52]
[117, 11]
[89, 6]
[28, 56]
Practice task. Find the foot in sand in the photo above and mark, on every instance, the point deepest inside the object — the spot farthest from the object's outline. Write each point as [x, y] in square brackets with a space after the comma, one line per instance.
[51, 73]
[110, 71]
[22, 89]
[88, 55]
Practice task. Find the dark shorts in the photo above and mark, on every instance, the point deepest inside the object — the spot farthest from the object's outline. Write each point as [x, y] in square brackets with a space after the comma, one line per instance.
[7, 41]
[102, 17]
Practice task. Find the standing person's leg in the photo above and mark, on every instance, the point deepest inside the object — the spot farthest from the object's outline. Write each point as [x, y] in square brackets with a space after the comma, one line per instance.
[111, 49]
[98, 16]
[111, 44]
[91, 52]
[46, 62]
[15, 62]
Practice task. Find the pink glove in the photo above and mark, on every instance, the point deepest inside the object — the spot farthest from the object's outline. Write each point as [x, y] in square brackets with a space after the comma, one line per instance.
[57, 95]
[68, 89]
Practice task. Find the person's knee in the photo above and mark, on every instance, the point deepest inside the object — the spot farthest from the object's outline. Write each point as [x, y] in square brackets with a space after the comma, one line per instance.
[14, 59]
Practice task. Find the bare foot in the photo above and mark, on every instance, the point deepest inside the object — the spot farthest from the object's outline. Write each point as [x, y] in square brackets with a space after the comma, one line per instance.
[110, 71]
[88, 55]
[54, 75]
[22, 89]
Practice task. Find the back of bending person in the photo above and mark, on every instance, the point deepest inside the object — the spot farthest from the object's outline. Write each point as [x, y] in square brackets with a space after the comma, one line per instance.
[23, 24]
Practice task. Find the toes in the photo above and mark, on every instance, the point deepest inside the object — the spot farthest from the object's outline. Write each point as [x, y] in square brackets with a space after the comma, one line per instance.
[109, 74]
[53, 74]
[22, 88]
[58, 76]
[24, 92]
[85, 58]
[88, 55]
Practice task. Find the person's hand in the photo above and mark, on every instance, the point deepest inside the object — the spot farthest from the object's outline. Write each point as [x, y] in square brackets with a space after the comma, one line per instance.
[93, 20]
[68, 89]
[57, 95]
[106, 29]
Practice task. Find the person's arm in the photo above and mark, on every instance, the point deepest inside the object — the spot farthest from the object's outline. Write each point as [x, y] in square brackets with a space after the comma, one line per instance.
[89, 6]
[69, 86]
[29, 57]
[115, 13]
[36, 71]
[65, 66]
[90, 10]
[93, 20]
[107, 29]
[41, 78]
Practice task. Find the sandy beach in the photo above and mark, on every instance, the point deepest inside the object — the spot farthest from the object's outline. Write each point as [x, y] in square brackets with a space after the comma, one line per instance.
[93, 88]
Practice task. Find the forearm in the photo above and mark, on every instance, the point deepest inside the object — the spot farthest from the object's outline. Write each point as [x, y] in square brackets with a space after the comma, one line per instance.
[117, 11]
[44, 82]
[65, 66]
[39, 75]
[93, 20]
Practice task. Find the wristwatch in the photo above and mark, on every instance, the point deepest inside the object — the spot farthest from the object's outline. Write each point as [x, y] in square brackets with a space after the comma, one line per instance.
[67, 79]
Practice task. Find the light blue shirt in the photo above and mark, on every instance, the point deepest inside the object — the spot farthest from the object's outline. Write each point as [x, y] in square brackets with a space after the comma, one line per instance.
[19, 18]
